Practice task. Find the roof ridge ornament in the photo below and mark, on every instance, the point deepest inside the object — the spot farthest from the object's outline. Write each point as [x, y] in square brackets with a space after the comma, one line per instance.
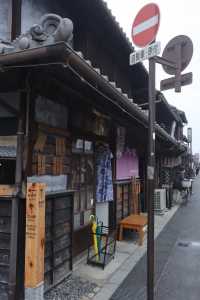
[51, 29]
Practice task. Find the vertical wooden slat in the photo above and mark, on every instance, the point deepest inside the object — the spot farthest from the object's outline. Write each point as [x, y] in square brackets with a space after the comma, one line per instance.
[72, 230]
[122, 187]
[59, 228]
[52, 238]
[41, 167]
[60, 146]
[129, 199]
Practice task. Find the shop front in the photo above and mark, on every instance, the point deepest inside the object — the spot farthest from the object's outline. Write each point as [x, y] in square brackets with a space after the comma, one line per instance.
[91, 177]
[78, 134]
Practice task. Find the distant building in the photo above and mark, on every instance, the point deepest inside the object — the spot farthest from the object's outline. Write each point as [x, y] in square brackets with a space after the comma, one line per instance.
[196, 159]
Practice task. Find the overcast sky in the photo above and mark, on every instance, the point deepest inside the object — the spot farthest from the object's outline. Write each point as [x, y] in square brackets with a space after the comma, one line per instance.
[177, 17]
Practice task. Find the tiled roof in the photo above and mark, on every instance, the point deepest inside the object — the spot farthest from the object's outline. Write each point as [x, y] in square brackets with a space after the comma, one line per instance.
[172, 109]
[122, 32]
[8, 59]
[7, 152]
[180, 113]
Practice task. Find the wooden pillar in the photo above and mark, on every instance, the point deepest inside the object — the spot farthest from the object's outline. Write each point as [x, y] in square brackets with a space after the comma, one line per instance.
[30, 134]
[15, 203]
[15, 18]
[35, 241]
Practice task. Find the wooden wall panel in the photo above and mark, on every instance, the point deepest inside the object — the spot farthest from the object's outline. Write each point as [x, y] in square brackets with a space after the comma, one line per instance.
[52, 152]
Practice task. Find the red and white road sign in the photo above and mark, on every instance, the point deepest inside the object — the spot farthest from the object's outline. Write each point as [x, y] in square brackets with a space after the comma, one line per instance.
[145, 25]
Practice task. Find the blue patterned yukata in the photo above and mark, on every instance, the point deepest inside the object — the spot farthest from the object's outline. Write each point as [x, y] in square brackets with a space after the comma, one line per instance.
[104, 182]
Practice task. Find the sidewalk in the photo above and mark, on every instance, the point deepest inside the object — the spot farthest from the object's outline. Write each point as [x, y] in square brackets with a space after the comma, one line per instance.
[177, 263]
[128, 253]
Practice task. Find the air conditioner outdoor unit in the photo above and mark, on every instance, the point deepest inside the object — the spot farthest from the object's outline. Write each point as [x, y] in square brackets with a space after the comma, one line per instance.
[160, 201]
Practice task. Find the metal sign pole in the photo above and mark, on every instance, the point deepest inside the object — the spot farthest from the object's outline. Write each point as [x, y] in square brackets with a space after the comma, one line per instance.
[150, 182]
[176, 57]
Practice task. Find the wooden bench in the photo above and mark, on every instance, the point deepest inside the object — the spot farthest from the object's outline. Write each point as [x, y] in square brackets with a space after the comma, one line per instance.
[135, 222]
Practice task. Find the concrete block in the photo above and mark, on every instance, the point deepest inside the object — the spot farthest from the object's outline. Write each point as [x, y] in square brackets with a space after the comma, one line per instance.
[36, 293]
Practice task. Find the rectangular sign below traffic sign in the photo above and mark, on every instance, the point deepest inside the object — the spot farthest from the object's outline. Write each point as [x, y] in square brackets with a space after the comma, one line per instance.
[145, 53]
[169, 83]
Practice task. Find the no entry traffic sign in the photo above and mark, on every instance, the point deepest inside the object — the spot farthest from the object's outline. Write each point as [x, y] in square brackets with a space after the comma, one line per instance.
[146, 25]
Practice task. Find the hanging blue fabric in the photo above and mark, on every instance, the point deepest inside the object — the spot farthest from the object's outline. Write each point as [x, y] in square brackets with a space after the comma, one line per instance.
[104, 182]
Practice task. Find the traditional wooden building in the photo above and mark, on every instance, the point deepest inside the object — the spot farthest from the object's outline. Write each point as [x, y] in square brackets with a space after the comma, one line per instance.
[169, 159]
[69, 103]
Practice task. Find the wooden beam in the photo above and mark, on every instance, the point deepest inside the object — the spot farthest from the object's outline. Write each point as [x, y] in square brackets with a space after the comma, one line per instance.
[35, 235]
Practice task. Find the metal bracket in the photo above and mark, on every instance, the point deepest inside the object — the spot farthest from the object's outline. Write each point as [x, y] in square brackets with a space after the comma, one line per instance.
[166, 62]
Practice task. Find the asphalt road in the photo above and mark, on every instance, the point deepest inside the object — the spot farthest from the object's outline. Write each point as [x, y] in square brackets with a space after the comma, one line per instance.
[177, 259]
